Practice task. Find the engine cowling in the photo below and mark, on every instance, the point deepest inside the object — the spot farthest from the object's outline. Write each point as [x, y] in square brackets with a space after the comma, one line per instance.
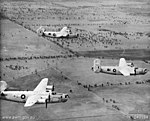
[130, 64]
[41, 100]
[50, 87]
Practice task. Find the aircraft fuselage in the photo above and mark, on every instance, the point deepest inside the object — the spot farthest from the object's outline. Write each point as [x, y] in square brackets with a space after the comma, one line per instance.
[115, 70]
[59, 35]
[22, 96]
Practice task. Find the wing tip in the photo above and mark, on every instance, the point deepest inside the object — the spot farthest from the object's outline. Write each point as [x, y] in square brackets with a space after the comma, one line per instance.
[45, 79]
[122, 58]
[26, 105]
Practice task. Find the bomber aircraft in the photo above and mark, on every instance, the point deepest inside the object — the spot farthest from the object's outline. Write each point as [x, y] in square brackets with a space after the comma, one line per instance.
[64, 33]
[42, 94]
[124, 68]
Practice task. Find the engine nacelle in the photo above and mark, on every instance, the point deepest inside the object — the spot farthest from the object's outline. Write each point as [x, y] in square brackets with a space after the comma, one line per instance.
[140, 70]
[130, 64]
[41, 100]
[50, 87]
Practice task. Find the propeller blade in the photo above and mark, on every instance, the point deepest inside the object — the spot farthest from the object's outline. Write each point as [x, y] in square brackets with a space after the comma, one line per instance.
[53, 87]
[49, 97]
[46, 103]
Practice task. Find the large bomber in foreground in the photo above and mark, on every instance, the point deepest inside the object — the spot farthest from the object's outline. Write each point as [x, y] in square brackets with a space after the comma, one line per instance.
[42, 94]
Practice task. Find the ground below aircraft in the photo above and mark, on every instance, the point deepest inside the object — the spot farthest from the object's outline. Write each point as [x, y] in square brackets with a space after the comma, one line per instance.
[42, 94]
[124, 68]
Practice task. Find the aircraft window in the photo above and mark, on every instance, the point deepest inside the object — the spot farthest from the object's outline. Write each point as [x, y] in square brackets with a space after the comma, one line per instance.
[47, 90]
[49, 33]
[108, 69]
[54, 35]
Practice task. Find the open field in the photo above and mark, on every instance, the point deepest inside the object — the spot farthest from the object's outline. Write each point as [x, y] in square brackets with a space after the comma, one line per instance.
[101, 24]
[108, 30]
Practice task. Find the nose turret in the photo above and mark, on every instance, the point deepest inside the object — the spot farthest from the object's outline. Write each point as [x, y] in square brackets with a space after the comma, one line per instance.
[145, 70]
[142, 71]
[64, 97]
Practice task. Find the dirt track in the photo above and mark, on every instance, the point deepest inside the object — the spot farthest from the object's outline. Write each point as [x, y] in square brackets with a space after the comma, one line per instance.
[129, 54]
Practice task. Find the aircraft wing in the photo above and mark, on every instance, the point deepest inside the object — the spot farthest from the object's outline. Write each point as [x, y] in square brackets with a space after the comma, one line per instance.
[59, 34]
[41, 87]
[31, 100]
[125, 71]
[64, 34]
[123, 68]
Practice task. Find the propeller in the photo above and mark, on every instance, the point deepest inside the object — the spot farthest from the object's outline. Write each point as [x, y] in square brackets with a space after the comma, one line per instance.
[53, 88]
[47, 100]
[46, 103]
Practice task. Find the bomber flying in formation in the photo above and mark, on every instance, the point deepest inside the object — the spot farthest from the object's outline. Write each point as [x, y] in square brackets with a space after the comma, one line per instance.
[42, 94]
[64, 33]
[124, 68]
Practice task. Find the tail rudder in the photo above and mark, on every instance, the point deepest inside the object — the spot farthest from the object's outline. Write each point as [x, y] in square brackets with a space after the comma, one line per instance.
[3, 86]
[97, 65]
[40, 31]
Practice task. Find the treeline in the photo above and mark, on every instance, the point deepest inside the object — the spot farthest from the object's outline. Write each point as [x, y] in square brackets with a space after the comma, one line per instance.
[108, 84]
[36, 57]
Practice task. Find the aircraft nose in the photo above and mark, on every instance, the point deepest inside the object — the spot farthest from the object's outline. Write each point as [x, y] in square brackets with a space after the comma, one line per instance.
[65, 97]
[145, 70]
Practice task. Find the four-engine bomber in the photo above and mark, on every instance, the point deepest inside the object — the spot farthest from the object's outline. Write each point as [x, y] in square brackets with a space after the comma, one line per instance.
[43, 93]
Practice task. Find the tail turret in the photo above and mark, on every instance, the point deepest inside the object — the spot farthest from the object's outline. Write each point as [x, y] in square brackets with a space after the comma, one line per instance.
[40, 31]
[3, 86]
[96, 66]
